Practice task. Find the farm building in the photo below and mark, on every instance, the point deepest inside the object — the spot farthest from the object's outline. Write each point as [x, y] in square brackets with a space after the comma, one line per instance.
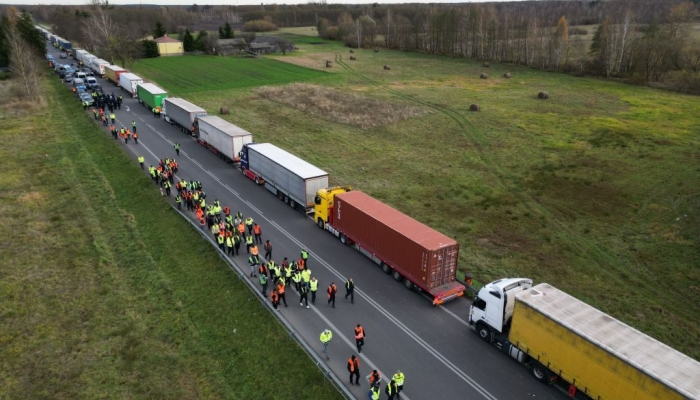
[276, 43]
[261, 48]
[227, 47]
[168, 46]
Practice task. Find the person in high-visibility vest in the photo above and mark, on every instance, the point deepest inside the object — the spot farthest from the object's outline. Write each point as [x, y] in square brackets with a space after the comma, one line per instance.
[304, 296]
[275, 298]
[252, 262]
[332, 290]
[249, 225]
[354, 369]
[305, 257]
[326, 337]
[313, 288]
[398, 378]
[178, 201]
[359, 337]
[374, 392]
[391, 390]
[257, 231]
[263, 283]
[296, 278]
[350, 290]
[141, 161]
[248, 243]
[280, 290]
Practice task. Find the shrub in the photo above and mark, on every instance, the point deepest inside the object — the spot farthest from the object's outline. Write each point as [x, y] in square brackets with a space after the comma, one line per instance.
[483, 76]
[507, 75]
[543, 95]
[474, 107]
[259, 25]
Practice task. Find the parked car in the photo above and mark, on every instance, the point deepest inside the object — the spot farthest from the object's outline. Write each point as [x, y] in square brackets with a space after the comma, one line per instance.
[79, 84]
[80, 75]
[87, 71]
[63, 55]
[91, 81]
[86, 97]
[68, 78]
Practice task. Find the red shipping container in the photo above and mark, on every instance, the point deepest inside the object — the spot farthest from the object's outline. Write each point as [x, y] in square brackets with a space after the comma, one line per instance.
[425, 256]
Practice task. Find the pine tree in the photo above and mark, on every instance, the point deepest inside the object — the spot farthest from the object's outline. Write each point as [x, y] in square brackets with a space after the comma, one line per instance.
[159, 30]
[188, 43]
[228, 32]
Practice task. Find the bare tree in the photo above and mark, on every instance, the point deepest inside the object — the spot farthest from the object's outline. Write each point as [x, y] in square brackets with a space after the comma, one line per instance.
[23, 64]
[358, 31]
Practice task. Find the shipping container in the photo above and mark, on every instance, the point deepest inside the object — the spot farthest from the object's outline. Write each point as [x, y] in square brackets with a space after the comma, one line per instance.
[182, 113]
[97, 65]
[150, 95]
[599, 354]
[287, 176]
[410, 250]
[221, 137]
[129, 81]
[112, 73]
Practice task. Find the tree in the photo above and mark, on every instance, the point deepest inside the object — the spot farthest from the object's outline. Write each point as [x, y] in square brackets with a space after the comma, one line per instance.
[201, 43]
[150, 49]
[560, 42]
[26, 29]
[188, 43]
[24, 65]
[228, 32]
[159, 30]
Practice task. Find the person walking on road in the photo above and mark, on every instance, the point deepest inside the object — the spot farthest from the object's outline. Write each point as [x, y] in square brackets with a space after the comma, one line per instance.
[280, 290]
[113, 117]
[305, 257]
[263, 282]
[313, 288]
[354, 369]
[332, 290]
[133, 126]
[136, 138]
[268, 250]
[398, 378]
[258, 233]
[304, 296]
[374, 392]
[296, 278]
[249, 225]
[248, 243]
[141, 161]
[359, 337]
[350, 290]
[177, 148]
[178, 201]
[391, 390]
[252, 262]
[326, 337]
[275, 298]
[374, 378]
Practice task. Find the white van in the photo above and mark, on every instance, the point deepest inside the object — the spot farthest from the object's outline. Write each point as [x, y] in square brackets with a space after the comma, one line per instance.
[80, 75]
[90, 81]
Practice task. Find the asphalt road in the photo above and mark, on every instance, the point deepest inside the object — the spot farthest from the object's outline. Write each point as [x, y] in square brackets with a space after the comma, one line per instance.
[440, 356]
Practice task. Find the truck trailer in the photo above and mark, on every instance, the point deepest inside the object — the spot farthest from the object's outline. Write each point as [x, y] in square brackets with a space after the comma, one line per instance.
[112, 73]
[560, 337]
[80, 54]
[97, 65]
[413, 253]
[129, 81]
[65, 45]
[285, 175]
[182, 113]
[150, 95]
[87, 59]
[221, 137]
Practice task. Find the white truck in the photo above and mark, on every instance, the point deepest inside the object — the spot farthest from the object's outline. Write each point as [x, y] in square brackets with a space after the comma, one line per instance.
[561, 338]
[79, 53]
[182, 113]
[97, 65]
[128, 82]
[87, 59]
[221, 137]
[285, 175]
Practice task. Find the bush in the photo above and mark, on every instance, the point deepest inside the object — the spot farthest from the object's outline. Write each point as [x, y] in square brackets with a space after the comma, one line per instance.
[483, 76]
[474, 107]
[543, 95]
[507, 75]
[259, 25]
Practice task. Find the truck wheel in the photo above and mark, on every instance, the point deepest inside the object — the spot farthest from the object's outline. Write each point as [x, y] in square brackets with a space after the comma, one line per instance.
[408, 284]
[280, 195]
[286, 199]
[343, 239]
[321, 224]
[484, 332]
[397, 276]
[540, 372]
[387, 269]
[293, 204]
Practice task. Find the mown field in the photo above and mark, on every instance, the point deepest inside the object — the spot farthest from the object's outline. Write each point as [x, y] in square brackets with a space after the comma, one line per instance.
[594, 190]
[106, 292]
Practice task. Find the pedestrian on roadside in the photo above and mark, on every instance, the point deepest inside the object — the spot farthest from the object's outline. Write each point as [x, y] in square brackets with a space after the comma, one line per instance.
[374, 392]
[391, 390]
[178, 201]
[332, 290]
[136, 138]
[249, 225]
[248, 243]
[141, 161]
[263, 283]
[177, 148]
[354, 369]
[350, 290]
[275, 298]
[313, 288]
[133, 126]
[398, 378]
[252, 263]
[305, 257]
[326, 337]
[113, 117]
[268, 250]
[296, 278]
[304, 296]
[257, 232]
[280, 290]
[359, 337]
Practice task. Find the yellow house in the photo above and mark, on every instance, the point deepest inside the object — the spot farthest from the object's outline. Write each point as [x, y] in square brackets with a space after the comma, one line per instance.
[168, 46]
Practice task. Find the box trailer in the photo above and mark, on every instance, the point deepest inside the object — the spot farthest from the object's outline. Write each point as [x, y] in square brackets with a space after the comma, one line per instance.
[65, 44]
[182, 113]
[415, 254]
[97, 65]
[112, 73]
[79, 54]
[87, 59]
[287, 176]
[561, 337]
[129, 81]
[221, 137]
[150, 95]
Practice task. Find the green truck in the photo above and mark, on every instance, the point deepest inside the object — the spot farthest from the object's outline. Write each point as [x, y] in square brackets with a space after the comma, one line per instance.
[150, 95]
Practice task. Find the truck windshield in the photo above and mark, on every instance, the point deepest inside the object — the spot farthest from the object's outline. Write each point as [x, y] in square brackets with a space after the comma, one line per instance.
[479, 303]
[317, 200]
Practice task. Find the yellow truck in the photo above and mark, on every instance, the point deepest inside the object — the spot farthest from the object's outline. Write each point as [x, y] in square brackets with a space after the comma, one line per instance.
[560, 337]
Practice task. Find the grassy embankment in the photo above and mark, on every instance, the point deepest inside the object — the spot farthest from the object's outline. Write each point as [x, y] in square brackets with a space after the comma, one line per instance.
[594, 190]
[105, 292]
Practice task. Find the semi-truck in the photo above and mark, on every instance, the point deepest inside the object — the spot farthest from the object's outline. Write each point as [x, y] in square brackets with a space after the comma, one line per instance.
[413, 253]
[64, 44]
[76, 52]
[221, 137]
[97, 65]
[129, 81]
[112, 73]
[87, 59]
[150, 95]
[560, 337]
[285, 175]
[182, 113]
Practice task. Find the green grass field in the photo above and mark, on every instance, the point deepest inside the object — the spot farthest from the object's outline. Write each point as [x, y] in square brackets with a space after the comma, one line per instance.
[594, 190]
[106, 292]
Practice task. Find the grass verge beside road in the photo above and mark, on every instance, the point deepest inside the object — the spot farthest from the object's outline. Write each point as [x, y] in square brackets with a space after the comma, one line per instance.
[105, 292]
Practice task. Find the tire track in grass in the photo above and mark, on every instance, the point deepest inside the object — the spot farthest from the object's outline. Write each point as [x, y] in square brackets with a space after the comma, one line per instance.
[588, 247]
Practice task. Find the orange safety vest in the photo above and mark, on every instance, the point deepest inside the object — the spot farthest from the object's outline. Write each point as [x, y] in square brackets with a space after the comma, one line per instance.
[353, 365]
[241, 228]
[254, 250]
[374, 377]
[227, 210]
[263, 269]
[274, 297]
[359, 332]
[300, 265]
[136, 135]
[256, 229]
[280, 288]
[332, 289]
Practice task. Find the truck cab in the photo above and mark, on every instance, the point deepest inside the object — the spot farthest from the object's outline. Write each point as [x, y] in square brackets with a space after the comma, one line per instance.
[323, 205]
[492, 308]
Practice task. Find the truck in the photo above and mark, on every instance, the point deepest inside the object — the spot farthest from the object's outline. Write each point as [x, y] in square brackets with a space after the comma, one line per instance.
[560, 337]
[150, 95]
[129, 81]
[413, 253]
[182, 113]
[87, 60]
[221, 137]
[285, 175]
[98, 65]
[112, 73]
[64, 44]
[80, 55]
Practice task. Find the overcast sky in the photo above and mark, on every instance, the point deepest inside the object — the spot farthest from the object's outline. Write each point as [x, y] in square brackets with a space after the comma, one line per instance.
[242, 2]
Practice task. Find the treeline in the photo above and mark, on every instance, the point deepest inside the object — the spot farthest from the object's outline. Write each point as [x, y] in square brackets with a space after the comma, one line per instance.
[21, 49]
